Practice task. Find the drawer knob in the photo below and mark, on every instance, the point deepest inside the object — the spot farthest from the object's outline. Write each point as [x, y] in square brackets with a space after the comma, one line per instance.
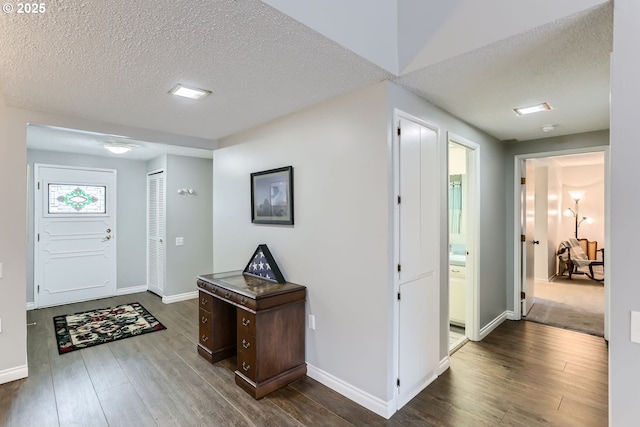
[204, 301]
[227, 295]
[245, 321]
[246, 344]
[204, 338]
[204, 320]
[245, 367]
[243, 300]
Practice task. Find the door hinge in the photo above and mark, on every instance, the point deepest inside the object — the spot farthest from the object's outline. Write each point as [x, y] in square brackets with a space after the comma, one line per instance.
[398, 296]
[523, 181]
[399, 131]
[38, 237]
[523, 238]
[38, 185]
[523, 295]
[399, 199]
[38, 288]
[399, 268]
[398, 382]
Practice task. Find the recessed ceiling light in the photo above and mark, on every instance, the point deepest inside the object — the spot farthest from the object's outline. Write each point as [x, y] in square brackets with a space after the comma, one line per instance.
[189, 92]
[521, 111]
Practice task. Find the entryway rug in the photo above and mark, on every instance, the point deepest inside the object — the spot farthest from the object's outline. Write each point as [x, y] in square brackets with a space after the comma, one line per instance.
[89, 328]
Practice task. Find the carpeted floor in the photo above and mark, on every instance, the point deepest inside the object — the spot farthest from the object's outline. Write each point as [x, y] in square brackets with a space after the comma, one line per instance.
[576, 304]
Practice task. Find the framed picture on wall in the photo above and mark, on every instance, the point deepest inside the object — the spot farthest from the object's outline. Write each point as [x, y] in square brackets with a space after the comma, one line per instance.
[272, 196]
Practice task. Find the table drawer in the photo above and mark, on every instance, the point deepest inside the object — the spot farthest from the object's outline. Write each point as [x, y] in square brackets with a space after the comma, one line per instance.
[247, 364]
[246, 342]
[246, 323]
[204, 330]
[205, 301]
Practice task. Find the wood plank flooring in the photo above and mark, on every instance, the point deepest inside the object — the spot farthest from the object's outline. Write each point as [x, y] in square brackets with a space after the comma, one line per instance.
[523, 374]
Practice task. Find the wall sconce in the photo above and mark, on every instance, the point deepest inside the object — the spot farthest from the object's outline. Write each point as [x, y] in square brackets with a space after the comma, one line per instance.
[576, 196]
[186, 192]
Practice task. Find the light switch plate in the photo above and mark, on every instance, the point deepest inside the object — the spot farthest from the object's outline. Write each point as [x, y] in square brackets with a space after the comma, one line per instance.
[312, 321]
[635, 327]
[179, 241]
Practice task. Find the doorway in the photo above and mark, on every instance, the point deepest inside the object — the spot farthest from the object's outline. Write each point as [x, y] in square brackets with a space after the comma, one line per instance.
[553, 217]
[75, 229]
[463, 240]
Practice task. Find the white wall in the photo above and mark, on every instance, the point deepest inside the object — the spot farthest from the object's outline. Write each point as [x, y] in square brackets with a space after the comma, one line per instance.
[131, 212]
[622, 255]
[554, 216]
[339, 246]
[591, 180]
[542, 270]
[189, 217]
[13, 239]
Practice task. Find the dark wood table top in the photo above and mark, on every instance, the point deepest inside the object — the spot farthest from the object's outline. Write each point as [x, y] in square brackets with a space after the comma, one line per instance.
[249, 286]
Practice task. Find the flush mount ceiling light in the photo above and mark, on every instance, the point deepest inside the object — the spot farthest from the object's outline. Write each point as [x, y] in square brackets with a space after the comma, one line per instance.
[521, 111]
[549, 127]
[189, 92]
[119, 147]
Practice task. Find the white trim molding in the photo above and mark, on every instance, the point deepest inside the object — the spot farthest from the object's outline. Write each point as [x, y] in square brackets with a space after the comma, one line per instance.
[180, 297]
[493, 324]
[31, 305]
[444, 365]
[511, 315]
[13, 374]
[372, 403]
[131, 290]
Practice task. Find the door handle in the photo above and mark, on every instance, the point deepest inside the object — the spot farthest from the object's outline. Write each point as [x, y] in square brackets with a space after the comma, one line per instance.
[536, 242]
[107, 237]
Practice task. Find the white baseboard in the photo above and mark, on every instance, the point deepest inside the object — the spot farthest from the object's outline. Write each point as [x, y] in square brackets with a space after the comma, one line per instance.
[511, 315]
[372, 403]
[492, 325]
[31, 305]
[13, 374]
[131, 290]
[444, 365]
[180, 297]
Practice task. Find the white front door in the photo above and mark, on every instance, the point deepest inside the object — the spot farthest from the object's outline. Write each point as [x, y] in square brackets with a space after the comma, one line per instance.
[419, 258]
[75, 230]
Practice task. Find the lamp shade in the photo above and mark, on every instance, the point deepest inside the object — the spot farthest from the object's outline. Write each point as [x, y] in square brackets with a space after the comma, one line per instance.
[576, 194]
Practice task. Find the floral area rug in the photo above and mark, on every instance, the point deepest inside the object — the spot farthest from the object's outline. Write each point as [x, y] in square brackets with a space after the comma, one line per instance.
[82, 330]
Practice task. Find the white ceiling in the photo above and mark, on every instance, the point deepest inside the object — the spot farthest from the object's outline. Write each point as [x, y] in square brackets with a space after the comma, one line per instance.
[115, 61]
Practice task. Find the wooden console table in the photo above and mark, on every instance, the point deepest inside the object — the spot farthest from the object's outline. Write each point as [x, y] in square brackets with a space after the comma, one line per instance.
[260, 322]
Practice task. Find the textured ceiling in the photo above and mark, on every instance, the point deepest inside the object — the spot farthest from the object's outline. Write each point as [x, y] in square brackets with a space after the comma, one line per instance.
[564, 63]
[114, 61]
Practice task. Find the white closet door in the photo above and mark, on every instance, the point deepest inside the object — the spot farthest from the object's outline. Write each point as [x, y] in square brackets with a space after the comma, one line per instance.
[156, 232]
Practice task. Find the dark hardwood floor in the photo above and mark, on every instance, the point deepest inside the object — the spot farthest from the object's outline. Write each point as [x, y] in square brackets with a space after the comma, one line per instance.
[523, 374]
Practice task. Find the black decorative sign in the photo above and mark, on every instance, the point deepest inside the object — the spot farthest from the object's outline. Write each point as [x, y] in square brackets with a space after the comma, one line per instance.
[263, 265]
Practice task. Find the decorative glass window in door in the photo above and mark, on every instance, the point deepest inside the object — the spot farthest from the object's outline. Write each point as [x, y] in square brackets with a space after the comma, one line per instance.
[77, 199]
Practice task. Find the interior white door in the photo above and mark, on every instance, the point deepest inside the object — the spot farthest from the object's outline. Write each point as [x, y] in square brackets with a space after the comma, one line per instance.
[75, 253]
[419, 259]
[155, 232]
[528, 230]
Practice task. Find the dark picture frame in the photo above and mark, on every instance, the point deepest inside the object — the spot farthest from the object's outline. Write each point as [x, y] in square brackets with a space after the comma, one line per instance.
[272, 196]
